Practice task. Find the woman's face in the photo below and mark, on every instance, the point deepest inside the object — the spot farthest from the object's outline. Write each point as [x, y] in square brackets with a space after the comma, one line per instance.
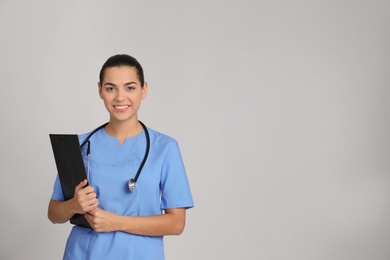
[122, 93]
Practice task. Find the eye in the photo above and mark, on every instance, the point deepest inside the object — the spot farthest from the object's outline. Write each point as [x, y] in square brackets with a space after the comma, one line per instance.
[109, 89]
[129, 88]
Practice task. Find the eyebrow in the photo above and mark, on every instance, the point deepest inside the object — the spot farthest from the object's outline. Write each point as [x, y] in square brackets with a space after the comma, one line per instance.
[129, 83]
[126, 84]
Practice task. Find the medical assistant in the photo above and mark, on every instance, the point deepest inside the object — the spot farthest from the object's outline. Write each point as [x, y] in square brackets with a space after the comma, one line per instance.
[162, 184]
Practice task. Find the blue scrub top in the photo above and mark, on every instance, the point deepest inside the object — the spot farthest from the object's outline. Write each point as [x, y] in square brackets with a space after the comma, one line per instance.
[162, 184]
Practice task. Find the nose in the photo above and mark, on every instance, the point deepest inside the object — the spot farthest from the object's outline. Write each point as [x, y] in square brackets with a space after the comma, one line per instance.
[119, 95]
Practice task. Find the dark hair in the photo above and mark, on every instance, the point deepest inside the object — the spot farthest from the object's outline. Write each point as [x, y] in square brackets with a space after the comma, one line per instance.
[123, 60]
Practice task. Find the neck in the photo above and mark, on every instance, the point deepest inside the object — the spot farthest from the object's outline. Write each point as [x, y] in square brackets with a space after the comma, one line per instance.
[123, 129]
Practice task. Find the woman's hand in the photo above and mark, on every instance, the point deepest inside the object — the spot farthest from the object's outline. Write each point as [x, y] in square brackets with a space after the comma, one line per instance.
[84, 199]
[102, 220]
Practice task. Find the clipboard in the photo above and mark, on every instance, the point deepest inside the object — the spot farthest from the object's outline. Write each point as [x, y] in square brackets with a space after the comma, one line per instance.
[70, 167]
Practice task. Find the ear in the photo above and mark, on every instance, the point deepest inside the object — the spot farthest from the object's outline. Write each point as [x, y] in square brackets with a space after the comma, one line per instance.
[145, 90]
[100, 90]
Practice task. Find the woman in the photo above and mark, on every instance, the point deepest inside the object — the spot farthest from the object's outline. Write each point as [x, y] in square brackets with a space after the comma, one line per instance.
[127, 222]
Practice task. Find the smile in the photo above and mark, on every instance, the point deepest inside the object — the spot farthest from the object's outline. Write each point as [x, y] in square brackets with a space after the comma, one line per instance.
[121, 107]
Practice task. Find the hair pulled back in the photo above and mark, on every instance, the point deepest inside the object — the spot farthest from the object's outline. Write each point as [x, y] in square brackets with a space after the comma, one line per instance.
[123, 60]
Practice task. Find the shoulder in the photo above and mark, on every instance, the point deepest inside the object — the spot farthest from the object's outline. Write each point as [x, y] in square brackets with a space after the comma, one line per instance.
[83, 137]
[86, 136]
[160, 138]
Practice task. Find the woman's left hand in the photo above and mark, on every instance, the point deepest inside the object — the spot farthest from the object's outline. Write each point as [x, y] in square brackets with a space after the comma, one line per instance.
[102, 220]
[170, 223]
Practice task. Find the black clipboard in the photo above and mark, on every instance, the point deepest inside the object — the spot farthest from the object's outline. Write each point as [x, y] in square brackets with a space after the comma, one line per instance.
[70, 167]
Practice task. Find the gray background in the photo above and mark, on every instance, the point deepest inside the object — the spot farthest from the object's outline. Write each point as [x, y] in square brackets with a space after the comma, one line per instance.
[280, 108]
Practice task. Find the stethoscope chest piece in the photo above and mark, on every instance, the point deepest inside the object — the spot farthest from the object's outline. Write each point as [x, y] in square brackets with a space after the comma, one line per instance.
[132, 185]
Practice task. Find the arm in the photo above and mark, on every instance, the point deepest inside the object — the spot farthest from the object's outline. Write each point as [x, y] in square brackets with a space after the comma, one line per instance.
[170, 223]
[84, 200]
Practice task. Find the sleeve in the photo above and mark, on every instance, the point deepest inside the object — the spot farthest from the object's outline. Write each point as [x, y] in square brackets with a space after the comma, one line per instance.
[175, 189]
[57, 190]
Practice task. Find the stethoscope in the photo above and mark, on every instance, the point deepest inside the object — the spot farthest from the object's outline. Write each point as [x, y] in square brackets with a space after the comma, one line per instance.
[132, 182]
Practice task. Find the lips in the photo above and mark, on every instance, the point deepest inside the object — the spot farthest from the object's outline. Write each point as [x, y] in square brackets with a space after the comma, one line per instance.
[121, 107]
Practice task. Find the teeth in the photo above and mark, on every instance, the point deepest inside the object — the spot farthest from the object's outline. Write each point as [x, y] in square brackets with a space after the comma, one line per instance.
[121, 107]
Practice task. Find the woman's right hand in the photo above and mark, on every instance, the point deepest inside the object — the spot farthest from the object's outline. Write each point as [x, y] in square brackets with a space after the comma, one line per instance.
[84, 199]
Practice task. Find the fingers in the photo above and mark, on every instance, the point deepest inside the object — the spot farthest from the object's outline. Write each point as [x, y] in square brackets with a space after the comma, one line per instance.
[85, 206]
[85, 191]
[101, 220]
[87, 202]
[91, 207]
[81, 185]
[84, 198]
[92, 217]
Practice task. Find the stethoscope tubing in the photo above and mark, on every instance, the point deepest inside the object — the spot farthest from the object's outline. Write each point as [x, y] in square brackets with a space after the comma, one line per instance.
[132, 182]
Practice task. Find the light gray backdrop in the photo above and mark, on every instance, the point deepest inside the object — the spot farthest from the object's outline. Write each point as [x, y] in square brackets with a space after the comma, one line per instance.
[281, 109]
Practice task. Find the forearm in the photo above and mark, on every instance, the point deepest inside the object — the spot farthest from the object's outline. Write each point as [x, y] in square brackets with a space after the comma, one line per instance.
[60, 211]
[170, 223]
[84, 200]
[160, 225]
